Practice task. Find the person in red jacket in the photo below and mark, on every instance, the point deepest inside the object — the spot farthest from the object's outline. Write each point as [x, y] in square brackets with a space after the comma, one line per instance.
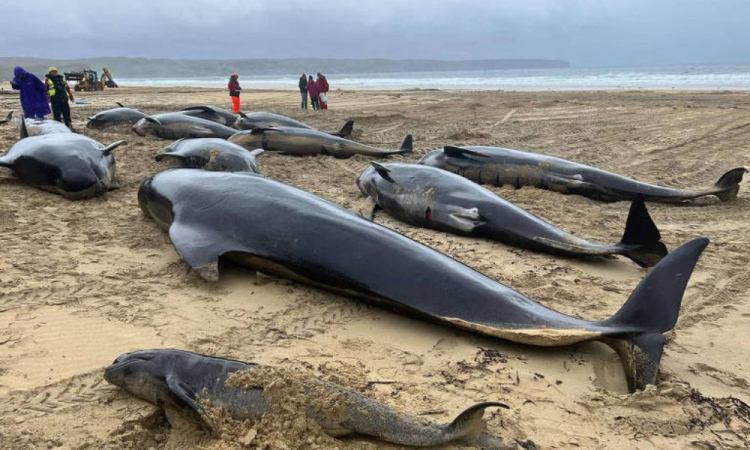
[323, 86]
[234, 91]
[314, 91]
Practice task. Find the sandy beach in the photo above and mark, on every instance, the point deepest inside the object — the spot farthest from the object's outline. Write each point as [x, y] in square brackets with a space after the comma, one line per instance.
[82, 282]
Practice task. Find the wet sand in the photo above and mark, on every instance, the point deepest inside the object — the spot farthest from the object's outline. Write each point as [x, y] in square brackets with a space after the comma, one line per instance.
[82, 282]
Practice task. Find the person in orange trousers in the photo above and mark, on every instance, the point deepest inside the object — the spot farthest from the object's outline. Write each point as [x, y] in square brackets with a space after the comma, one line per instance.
[234, 92]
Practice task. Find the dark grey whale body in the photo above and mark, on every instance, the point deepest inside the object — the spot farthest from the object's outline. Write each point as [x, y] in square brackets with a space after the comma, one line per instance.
[180, 381]
[178, 126]
[501, 166]
[212, 113]
[307, 142]
[267, 120]
[69, 164]
[281, 230]
[115, 117]
[432, 198]
[211, 154]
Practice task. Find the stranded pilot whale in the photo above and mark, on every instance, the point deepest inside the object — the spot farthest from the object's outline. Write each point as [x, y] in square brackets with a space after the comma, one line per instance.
[303, 141]
[280, 230]
[68, 164]
[432, 198]
[184, 382]
[212, 113]
[268, 120]
[499, 166]
[211, 154]
[115, 117]
[178, 126]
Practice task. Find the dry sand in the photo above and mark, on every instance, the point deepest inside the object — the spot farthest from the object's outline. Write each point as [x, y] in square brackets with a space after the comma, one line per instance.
[82, 282]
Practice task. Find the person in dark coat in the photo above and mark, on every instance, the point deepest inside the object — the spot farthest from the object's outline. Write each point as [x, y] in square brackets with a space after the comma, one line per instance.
[59, 96]
[33, 93]
[314, 91]
[303, 90]
[323, 86]
[234, 91]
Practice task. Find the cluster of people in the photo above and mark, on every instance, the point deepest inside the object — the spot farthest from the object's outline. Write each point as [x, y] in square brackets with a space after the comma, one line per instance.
[316, 89]
[37, 97]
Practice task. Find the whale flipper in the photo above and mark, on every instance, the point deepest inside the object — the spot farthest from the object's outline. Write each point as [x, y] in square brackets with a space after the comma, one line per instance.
[184, 396]
[651, 310]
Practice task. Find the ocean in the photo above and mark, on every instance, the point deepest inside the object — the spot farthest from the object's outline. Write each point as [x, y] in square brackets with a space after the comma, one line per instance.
[687, 77]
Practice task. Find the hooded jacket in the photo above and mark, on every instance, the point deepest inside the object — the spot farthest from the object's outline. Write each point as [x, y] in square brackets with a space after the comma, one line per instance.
[33, 93]
[312, 88]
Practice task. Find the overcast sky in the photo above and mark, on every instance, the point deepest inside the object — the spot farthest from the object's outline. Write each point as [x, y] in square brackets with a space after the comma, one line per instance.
[583, 32]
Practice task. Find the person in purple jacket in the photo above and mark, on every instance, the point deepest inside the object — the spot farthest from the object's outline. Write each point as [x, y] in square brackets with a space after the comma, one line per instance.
[314, 91]
[33, 93]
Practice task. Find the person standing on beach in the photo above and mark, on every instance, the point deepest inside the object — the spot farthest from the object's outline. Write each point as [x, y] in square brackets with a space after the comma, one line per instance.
[234, 91]
[303, 90]
[59, 96]
[33, 93]
[323, 86]
[314, 91]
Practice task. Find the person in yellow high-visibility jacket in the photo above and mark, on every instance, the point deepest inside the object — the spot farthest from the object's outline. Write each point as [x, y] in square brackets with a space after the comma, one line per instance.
[59, 96]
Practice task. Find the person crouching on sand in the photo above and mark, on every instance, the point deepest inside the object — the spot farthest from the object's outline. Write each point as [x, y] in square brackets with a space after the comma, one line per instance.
[33, 93]
[314, 91]
[234, 92]
[323, 86]
[303, 90]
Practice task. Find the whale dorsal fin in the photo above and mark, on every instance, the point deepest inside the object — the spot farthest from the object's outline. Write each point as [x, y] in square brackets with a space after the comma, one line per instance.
[24, 131]
[383, 171]
[111, 147]
[458, 152]
[120, 104]
[204, 108]
[152, 119]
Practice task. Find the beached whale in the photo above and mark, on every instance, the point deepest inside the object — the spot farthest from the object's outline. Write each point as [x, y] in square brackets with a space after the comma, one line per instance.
[268, 120]
[114, 117]
[212, 113]
[69, 164]
[39, 127]
[304, 141]
[501, 166]
[211, 154]
[178, 126]
[183, 382]
[432, 198]
[277, 229]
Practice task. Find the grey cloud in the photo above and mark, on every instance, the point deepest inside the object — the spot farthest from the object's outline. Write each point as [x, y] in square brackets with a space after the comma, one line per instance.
[583, 32]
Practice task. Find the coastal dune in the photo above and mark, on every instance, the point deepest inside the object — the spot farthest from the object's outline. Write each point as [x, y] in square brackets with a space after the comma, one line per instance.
[82, 282]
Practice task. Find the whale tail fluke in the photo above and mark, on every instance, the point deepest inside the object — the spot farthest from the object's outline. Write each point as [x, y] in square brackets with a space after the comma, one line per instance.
[641, 231]
[729, 184]
[7, 118]
[651, 310]
[408, 145]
